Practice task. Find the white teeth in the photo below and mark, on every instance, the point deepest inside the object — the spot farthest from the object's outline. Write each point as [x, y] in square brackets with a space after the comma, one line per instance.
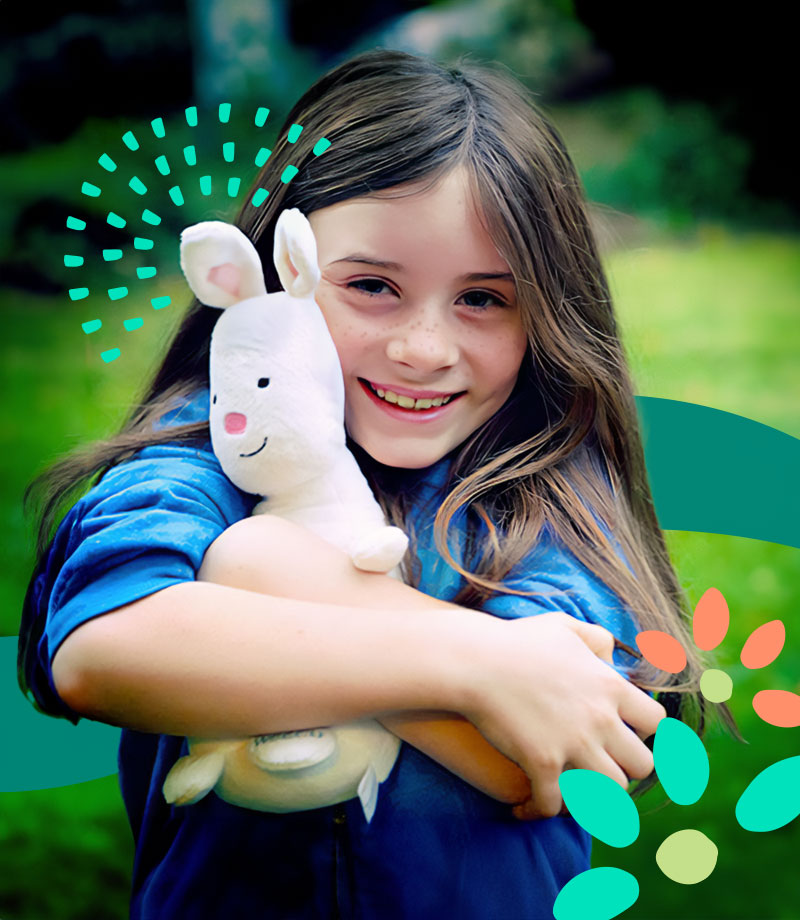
[408, 402]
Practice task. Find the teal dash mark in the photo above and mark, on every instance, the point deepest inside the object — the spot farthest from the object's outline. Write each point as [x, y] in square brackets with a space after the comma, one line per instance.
[157, 124]
[176, 195]
[294, 133]
[138, 186]
[115, 220]
[130, 141]
[146, 271]
[162, 165]
[261, 116]
[262, 156]
[131, 324]
[190, 155]
[160, 302]
[191, 116]
[75, 223]
[228, 151]
[73, 261]
[321, 146]
[224, 112]
[117, 293]
[91, 326]
[149, 218]
[140, 242]
[233, 186]
[107, 163]
[111, 355]
[205, 185]
[91, 190]
[112, 255]
[288, 174]
[259, 198]
[78, 293]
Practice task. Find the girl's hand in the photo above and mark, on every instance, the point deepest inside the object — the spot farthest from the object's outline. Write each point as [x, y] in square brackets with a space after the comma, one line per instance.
[541, 690]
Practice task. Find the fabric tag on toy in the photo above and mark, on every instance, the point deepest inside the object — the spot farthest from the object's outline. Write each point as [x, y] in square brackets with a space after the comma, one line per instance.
[368, 792]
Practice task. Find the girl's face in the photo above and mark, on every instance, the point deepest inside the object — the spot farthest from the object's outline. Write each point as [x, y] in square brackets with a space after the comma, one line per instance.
[422, 310]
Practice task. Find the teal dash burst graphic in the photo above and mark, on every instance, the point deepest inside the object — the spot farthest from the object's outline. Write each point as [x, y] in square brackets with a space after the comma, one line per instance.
[142, 199]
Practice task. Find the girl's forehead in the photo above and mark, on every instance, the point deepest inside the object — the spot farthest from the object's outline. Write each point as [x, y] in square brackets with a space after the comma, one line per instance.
[441, 222]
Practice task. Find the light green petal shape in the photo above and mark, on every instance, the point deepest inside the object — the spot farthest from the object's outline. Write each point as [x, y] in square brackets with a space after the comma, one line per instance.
[597, 894]
[681, 762]
[600, 806]
[772, 799]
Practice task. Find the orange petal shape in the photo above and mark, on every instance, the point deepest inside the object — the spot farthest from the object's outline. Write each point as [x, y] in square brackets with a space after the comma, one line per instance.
[778, 707]
[662, 650]
[711, 619]
[764, 644]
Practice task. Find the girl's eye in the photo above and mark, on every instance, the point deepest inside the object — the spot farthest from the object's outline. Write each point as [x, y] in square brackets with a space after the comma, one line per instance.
[483, 295]
[374, 282]
[263, 382]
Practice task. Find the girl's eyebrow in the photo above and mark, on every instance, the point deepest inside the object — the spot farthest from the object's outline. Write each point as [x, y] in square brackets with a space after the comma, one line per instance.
[395, 266]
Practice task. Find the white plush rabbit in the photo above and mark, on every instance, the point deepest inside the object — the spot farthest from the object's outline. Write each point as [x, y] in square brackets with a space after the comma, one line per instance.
[277, 428]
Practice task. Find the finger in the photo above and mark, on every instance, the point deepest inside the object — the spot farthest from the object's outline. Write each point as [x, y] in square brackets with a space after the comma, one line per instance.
[640, 711]
[545, 801]
[630, 752]
[597, 638]
[604, 762]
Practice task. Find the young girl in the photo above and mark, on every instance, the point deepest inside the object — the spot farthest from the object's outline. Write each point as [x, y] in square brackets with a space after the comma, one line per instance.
[488, 402]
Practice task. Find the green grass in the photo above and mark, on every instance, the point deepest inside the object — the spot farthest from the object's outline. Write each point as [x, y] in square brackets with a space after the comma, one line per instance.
[712, 319]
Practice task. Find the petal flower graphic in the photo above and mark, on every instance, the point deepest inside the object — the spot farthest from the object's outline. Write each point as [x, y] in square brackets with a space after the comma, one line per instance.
[596, 894]
[778, 707]
[772, 799]
[662, 650]
[681, 761]
[711, 620]
[764, 644]
[600, 806]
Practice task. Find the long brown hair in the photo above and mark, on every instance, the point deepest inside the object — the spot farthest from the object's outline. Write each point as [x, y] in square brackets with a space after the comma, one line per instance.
[565, 451]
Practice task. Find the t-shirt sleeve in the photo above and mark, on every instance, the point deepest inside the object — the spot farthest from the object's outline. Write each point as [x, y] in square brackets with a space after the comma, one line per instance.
[560, 582]
[145, 526]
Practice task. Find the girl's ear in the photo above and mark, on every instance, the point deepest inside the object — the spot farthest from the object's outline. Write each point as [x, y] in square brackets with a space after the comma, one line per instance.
[295, 254]
[220, 263]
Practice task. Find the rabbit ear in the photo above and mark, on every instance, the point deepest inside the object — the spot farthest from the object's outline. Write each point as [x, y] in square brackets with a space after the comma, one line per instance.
[295, 254]
[220, 263]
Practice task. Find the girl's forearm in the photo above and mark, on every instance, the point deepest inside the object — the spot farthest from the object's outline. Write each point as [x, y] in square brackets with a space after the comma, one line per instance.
[208, 660]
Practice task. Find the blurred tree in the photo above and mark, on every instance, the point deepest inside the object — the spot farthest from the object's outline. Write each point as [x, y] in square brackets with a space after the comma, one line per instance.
[59, 66]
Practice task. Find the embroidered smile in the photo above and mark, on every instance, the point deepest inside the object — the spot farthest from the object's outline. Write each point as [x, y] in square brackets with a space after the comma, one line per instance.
[410, 402]
[258, 450]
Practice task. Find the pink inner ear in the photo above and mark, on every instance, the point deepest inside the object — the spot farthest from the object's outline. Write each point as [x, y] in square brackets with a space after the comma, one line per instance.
[227, 277]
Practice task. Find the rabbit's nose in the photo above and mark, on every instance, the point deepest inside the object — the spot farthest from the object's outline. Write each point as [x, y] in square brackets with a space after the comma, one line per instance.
[235, 423]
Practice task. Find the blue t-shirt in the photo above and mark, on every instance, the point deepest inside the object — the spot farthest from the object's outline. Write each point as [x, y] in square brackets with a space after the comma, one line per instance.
[436, 847]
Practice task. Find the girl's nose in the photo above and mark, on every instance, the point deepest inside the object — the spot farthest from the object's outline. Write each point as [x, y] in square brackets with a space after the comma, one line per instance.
[424, 345]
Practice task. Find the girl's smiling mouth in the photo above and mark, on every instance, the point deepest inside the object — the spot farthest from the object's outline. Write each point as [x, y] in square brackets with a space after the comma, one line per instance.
[408, 402]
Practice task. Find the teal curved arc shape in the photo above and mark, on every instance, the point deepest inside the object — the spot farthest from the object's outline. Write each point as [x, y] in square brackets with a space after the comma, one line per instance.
[717, 472]
[703, 465]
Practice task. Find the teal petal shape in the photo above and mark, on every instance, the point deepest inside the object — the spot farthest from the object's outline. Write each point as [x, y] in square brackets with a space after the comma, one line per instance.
[600, 806]
[597, 894]
[772, 799]
[681, 762]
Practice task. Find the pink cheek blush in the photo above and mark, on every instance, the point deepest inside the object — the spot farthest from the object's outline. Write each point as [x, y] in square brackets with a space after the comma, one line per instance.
[235, 423]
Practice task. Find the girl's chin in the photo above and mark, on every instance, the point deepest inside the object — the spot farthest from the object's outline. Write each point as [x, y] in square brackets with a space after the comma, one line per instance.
[407, 457]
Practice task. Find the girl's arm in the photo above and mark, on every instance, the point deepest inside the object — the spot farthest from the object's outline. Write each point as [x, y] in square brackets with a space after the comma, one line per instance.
[208, 660]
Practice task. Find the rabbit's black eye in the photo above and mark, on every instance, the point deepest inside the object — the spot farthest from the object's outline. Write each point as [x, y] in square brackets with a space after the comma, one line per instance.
[263, 382]
[214, 401]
